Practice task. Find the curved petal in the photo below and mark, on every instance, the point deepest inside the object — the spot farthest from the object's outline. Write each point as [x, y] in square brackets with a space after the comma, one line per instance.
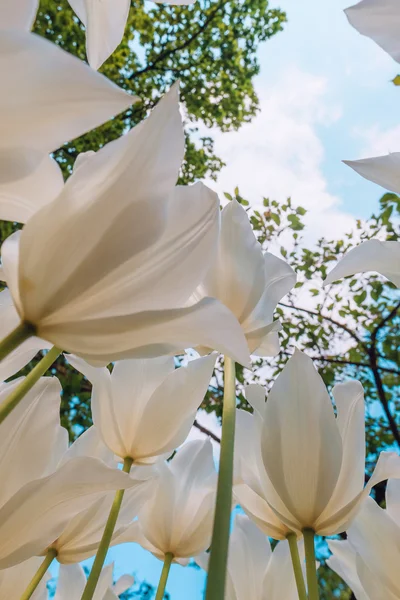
[28, 181]
[237, 276]
[383, 257]
[378, 20]
[52, 97]
[279, 579]
[71, 582]
[343, 562]
[14, 581]
[153, 333]
[123, 584]
[9, 262]
[255, 396]
[393, 499]
[90, 444]
[105, 25]
[301, 445]
[20, 14]
[120, 194]
[383, 170]
[265, 340]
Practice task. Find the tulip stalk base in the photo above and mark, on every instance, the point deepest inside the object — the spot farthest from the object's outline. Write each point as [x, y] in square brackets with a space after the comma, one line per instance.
[298, 571]
[220, 539]
[311, 567]
[40, 573]
[15, 338]
[106, 539]
[23, 388]
[164, 576]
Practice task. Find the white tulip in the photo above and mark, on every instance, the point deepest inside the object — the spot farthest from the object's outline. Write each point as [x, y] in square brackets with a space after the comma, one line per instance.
[383, 257]
[178, 516]
[380, 21]
[254, 572]
[72, 581]
[106, 270]
[249, 282]
[105, 22]
[145, 408]
[44, 487]
[14, 580]
[315, 461]
[368, 560]
[19, 14]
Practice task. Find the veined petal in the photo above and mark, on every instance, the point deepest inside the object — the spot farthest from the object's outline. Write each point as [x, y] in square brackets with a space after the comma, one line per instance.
[380, 21]
[105, 22]
[375, 587]
[343, 562]
[19, 14]
[393, 500]
[89, 444]
[374, 255]
[98, 198]
[301, 445]
[71, 582]
[279, 581]
[153, 333]
[383, 170]
[28, 181]
[265, 340]
[171, 410]
[14, 581]
[52, 97]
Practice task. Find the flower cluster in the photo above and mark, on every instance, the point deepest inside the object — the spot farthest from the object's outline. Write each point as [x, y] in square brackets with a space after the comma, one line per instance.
[121, 265]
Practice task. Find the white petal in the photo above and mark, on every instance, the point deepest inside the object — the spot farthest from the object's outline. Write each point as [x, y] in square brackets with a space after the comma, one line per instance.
[255, 396]
[349, 400]
[120, 194]
[52, 97]
[28, 181]
[89, 443]
[28, 435]
[301, 445]
[279, 579]
[19, 14]
[343, 562]
[9, 262]
[393, 499]
[383, 257]
[169, 414]
[379, 20]
[123, 583]
[153, 333]
[33, 518]
[174, 2]
[71, 582]
[383, 170]
[14, 581]
[105, 22]
[265, 340]
[237, 276]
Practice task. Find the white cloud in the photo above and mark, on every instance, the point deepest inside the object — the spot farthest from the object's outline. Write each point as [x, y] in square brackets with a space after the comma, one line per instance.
[280, 154]
[378, 141]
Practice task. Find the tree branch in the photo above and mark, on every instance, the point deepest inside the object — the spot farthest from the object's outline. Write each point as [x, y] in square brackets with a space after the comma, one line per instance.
[207, 432]
[384, 321]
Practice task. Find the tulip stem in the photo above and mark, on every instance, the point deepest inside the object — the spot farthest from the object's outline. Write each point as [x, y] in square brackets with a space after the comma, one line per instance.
[311, 567]
[40, 573]
[102, 550]
[298, 572]
[22, 332]
[220, 539]
[28, 382]
[164, 576]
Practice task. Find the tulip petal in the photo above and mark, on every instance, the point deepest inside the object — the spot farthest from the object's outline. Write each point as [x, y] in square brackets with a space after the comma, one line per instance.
[98, 198]
[19, 14]
[105, 25]
[58, 97]
[34, 517]
[171, 410]
[260, 512]
[9, 263]
[279, 581]
[343, 562]
[89, 443]
[71, 582]
[378, 20]
[153, 333]
[255, 396]
[14, 581]
[374, 255]
[301, 445]
[28, 181]
[383, 170]
[393, 499]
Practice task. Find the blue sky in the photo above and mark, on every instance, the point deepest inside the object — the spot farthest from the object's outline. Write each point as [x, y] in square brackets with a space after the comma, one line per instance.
[325, 96]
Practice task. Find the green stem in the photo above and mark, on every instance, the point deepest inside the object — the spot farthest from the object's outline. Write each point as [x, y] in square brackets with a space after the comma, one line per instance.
[14, 339]
[164, 576]
[106, 539]
[311, 567]
[40, 573]
[298, 571]
[220, 539]
[28, 382]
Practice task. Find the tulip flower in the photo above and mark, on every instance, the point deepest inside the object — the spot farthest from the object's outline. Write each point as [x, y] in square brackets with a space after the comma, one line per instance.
[72, 581]
[125, 287]
[105, 22]
[380, 21]
[383, 257]
[176, 521]
[368, 561]
[254, 571]
[20, 14]
[145, 408]
[13, 581]
[43, 487]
